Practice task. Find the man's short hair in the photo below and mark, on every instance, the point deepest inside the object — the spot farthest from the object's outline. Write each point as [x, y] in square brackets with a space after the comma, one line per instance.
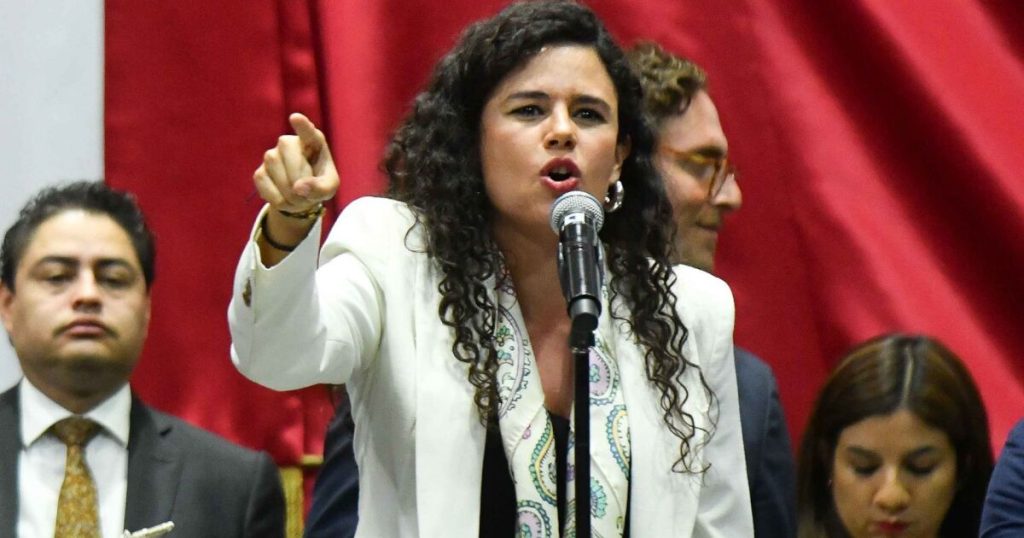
[669, 81]
[90, 196]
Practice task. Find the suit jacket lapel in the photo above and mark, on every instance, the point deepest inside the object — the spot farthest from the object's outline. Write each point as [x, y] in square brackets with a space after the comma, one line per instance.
[10, 448]
[153, 469]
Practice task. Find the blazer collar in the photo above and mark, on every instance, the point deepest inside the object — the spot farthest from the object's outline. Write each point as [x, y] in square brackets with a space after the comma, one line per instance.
[153, 469]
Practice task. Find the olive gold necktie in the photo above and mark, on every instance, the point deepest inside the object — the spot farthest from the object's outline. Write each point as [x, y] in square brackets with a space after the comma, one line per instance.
[77, 507]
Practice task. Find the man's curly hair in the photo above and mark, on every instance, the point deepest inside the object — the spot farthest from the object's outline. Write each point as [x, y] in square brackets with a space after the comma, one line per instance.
[669, 82]
[433, 163]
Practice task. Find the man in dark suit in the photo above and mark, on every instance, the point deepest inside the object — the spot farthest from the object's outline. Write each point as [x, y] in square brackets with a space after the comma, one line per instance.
[701, 183]
[75, 275]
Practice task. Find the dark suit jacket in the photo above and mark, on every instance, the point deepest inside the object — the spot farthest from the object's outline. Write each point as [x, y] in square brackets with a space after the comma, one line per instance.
[770, 468]
[206, 485]
[1003, 515]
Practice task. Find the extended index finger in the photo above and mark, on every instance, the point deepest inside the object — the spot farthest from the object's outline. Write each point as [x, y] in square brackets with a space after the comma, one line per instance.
[311, 137]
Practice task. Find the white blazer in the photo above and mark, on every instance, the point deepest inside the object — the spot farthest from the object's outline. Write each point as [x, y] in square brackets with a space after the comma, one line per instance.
[369, 319]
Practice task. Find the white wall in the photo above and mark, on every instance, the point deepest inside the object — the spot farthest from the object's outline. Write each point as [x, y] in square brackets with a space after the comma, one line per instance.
[51, 106]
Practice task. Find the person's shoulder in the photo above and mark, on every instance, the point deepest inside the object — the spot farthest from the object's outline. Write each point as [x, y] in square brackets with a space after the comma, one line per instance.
[9, 396]
[702, 296]
[698, 284]
[755, 380]
[1014, 445]
[752, 364]
[9, 407]
[370, 225]
[244, 484]
[201, 443]
[1017, 433]
[378, 208]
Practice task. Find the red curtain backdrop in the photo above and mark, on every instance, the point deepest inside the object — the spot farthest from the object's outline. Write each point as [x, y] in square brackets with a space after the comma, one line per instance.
[879, 145]
[194, 93]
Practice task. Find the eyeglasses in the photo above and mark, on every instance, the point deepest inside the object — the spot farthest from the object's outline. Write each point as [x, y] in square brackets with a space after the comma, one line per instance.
[715, 171]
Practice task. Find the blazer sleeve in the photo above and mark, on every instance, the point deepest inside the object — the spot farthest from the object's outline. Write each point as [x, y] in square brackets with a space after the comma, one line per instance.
[265, 515]
[724, 508]
[1003, 514]
[295, 325]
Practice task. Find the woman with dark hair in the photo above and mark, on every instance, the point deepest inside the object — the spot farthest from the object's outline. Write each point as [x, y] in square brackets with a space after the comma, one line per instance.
[440, 306]
[897, 445]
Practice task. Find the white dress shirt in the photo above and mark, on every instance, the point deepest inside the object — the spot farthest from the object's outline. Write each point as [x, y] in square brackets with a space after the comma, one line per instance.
[42, 458]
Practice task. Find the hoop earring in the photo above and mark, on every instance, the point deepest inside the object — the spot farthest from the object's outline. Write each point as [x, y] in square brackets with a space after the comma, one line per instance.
[613, 199]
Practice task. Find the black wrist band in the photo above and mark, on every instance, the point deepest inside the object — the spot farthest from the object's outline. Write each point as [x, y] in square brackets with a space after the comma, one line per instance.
[265, 234]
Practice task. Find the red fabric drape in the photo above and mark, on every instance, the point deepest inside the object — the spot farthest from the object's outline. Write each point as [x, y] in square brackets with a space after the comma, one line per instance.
[194, 93]
[878, 148]
[878, 144]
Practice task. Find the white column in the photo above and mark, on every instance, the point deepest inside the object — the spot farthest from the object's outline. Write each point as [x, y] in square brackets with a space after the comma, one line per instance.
[51, 106]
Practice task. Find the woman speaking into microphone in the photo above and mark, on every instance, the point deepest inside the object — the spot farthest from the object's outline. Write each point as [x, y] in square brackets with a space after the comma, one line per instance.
[439, 306]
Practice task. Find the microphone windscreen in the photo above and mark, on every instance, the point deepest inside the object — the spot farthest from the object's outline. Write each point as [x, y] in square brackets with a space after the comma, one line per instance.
[576, 202]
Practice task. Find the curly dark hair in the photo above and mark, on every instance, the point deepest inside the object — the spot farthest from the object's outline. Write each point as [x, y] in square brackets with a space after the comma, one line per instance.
[91, 196]
[669, 82]
[433, 163]
[877, 378]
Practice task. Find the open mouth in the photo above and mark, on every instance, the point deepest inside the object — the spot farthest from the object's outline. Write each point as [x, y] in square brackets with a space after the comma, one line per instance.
[559, 170]
[559, 175]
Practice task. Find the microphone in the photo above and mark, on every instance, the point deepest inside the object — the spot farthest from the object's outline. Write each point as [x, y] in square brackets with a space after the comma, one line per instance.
[577, 217]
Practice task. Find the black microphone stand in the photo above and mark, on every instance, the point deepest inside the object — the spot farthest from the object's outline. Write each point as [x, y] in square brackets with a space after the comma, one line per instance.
[584, 311]
[580, 341]
[577, 217]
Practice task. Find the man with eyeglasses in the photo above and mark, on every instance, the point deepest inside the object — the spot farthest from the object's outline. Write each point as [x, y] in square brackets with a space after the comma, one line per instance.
[693, 159]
